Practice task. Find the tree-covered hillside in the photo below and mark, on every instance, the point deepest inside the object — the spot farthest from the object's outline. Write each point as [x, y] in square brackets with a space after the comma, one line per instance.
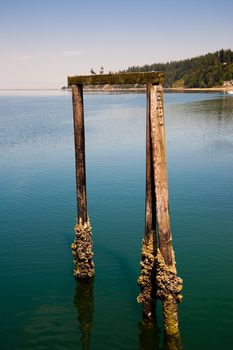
[209, 70]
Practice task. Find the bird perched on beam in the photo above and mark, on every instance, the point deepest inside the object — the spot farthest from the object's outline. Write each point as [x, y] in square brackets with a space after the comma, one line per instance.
[92, 71]
[101, 70]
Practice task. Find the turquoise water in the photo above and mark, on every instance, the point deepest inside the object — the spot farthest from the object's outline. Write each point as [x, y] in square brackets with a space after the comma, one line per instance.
[42, 307]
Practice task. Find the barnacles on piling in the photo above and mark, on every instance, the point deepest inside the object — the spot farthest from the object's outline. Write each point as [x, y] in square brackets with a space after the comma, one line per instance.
[167, 281]
[145, 280]
[82, 250]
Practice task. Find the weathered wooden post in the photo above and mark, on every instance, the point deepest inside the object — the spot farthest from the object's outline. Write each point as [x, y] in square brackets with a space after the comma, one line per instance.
[82, 245]
[149, 245]
[158, 271]
[168, 285]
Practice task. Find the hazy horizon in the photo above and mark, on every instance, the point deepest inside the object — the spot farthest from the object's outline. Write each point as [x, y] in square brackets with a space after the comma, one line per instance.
[44, 42]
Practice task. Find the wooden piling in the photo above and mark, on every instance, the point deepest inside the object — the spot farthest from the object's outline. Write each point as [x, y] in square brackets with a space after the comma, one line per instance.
[158, 271]
[149, 245]
[150, 217]
[82, 247]
[169, 286]
[79, 142]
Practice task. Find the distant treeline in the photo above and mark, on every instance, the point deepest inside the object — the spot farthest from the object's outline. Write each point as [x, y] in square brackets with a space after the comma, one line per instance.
[205, 71]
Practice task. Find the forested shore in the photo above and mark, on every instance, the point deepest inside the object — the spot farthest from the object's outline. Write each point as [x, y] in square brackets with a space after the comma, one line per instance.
[206, 71]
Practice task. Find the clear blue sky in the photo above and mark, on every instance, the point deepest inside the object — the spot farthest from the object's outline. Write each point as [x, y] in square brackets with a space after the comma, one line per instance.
[44, 41]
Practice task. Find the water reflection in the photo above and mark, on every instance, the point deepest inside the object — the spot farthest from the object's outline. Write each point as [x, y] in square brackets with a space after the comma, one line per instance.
[151, 338]
[172, 343]
[219, 107]
[84, 302]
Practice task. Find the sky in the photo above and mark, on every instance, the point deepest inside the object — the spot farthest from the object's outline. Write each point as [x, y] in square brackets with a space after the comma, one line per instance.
[42, 42]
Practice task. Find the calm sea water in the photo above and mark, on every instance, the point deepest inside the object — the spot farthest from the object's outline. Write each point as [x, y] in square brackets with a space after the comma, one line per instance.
[42, 307]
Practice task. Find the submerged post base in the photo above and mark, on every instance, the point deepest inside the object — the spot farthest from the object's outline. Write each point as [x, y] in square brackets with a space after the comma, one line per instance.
[172, 342]
[84, 303]
[171, 325]
[82, 250]
[169, 288]
[146, 279]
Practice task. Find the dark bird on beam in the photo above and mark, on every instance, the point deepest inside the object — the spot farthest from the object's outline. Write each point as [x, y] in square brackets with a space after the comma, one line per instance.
[92, 71]
[101, 70]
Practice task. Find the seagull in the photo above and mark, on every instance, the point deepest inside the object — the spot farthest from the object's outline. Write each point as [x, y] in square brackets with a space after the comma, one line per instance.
[101, 70]
[92, 71]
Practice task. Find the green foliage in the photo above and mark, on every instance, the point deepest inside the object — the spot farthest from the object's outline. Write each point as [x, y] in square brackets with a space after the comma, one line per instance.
[204, 71]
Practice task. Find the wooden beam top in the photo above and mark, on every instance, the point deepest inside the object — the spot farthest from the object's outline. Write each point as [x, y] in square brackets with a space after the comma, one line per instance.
[118, 78]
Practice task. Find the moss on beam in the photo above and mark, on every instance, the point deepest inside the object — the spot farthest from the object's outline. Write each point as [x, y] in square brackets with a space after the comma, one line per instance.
[118, 78]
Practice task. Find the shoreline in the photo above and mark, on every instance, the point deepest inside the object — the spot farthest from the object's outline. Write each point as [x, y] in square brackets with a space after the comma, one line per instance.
[142, 89]
[213, 89]
[133, 89]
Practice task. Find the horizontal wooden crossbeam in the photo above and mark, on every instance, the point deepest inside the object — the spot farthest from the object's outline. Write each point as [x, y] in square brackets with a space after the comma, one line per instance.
[118, 78]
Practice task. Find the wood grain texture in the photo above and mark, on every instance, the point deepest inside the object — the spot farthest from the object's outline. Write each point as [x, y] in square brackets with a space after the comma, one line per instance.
[79, 141]
[168, 285]
[160, 172]
[150, 205]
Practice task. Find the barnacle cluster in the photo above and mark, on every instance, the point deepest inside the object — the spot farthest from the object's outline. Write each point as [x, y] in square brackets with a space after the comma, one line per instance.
[82, 250]
[167, 281]
[145, 280]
